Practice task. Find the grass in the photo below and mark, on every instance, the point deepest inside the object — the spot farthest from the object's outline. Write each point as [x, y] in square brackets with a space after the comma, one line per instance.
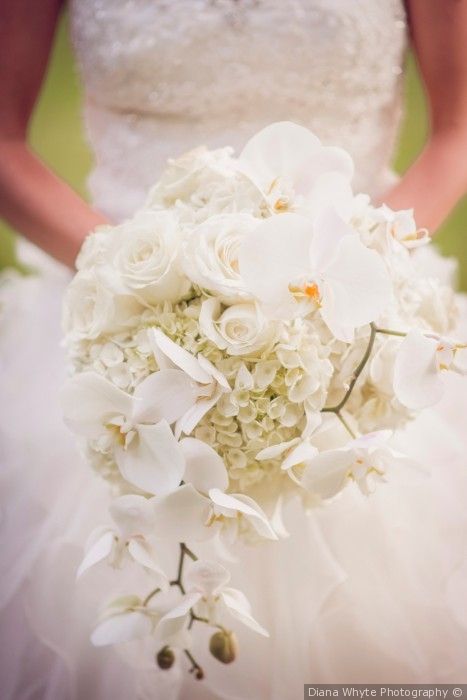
[57, 135]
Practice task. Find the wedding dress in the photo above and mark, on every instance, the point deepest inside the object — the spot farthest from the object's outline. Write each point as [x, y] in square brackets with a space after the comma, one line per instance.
[365, 589]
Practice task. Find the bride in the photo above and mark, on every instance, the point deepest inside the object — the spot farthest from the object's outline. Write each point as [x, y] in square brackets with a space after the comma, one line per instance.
[368, 590]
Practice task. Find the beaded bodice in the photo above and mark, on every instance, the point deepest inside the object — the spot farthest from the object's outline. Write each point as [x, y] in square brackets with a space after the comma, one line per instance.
[162, 76]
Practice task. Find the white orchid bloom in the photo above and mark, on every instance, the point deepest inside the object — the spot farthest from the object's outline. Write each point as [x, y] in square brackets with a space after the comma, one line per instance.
[124, 620]
[195, 512]
[144, 446]
[361, 460]
[419, 365]
[293, 453]
[294, 267]
[205, 584]
[295, 172]
[206, 382]
[129, 538]
[129, 618]
[401, 227]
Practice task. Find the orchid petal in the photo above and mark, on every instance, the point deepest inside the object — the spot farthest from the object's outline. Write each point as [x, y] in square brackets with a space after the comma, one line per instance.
[331, 190]
[89, 401]
[214, 373]
[153, 461]
[417, 383]
[122, 628]
[182, 515]
[187, 423]
[327, 473]
[303, 452]
[328, 231]
[275, 254]
[239, 503]
[132, 514]
[206, 577]
[357, 287]
[239, 607]
[164, 395]
[143, 553]
[99, 551]
[274, 451]
[279, 149]
[180, 357]
[205, 469]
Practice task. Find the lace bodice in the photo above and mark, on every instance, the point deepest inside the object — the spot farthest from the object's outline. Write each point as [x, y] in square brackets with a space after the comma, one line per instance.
[162, 76]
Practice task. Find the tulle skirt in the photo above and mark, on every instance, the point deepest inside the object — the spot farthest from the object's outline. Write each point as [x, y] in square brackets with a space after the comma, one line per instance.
[365, 589]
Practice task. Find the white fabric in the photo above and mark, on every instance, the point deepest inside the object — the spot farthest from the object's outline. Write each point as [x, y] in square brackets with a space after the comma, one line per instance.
[365, 590]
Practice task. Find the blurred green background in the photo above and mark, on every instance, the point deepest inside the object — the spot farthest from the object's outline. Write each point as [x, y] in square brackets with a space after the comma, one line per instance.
[57, 135]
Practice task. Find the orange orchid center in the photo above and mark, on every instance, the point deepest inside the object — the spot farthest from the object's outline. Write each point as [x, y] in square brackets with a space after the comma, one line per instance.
[312, 291]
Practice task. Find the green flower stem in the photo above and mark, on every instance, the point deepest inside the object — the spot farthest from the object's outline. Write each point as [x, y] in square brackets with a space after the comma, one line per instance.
[150, 596]
[345, 424]
[387, 331]
[338, 407]
[195, 667]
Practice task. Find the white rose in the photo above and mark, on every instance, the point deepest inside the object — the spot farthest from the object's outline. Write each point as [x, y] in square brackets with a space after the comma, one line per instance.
[91, 308]
[189, 174]
[210, 255]
[88, 307]
[240, 329]
[144, 257]
[95, 248]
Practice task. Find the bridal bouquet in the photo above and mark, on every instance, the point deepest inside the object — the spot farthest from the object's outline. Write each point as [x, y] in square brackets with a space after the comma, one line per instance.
[253, 334]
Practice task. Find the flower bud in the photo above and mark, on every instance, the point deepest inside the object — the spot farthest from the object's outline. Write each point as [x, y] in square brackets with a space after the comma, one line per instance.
[165, 658]
[223, 646]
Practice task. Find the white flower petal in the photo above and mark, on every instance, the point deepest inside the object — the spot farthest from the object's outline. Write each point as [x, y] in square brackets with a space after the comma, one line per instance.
[279, 149]
[98, 551]
[239, 503]
[204, 468]
[274, 451]
[89, 401]
[210, 310]
[274, 255]
[153, 461]
[142, 552]
[417, 383]
[214, 373]
[187, 423]
[239, 607]
[303, 452]
[326, 474]
[357, 287]
[164, 395]
[331, 190]
[132, 514]
[178, 355]
[181, 515]
[328, 231]
[122, 628]
[206, 577]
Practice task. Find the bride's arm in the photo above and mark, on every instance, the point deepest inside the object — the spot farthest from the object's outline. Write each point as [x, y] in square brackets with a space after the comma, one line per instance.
[438, 178]
[32, 199]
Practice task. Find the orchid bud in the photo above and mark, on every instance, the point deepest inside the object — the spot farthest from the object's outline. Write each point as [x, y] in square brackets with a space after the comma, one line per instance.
[165, 658]
[223, 646]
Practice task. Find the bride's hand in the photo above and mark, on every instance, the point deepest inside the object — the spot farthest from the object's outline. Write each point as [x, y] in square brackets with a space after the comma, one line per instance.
[32, 199]
[438, 179]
